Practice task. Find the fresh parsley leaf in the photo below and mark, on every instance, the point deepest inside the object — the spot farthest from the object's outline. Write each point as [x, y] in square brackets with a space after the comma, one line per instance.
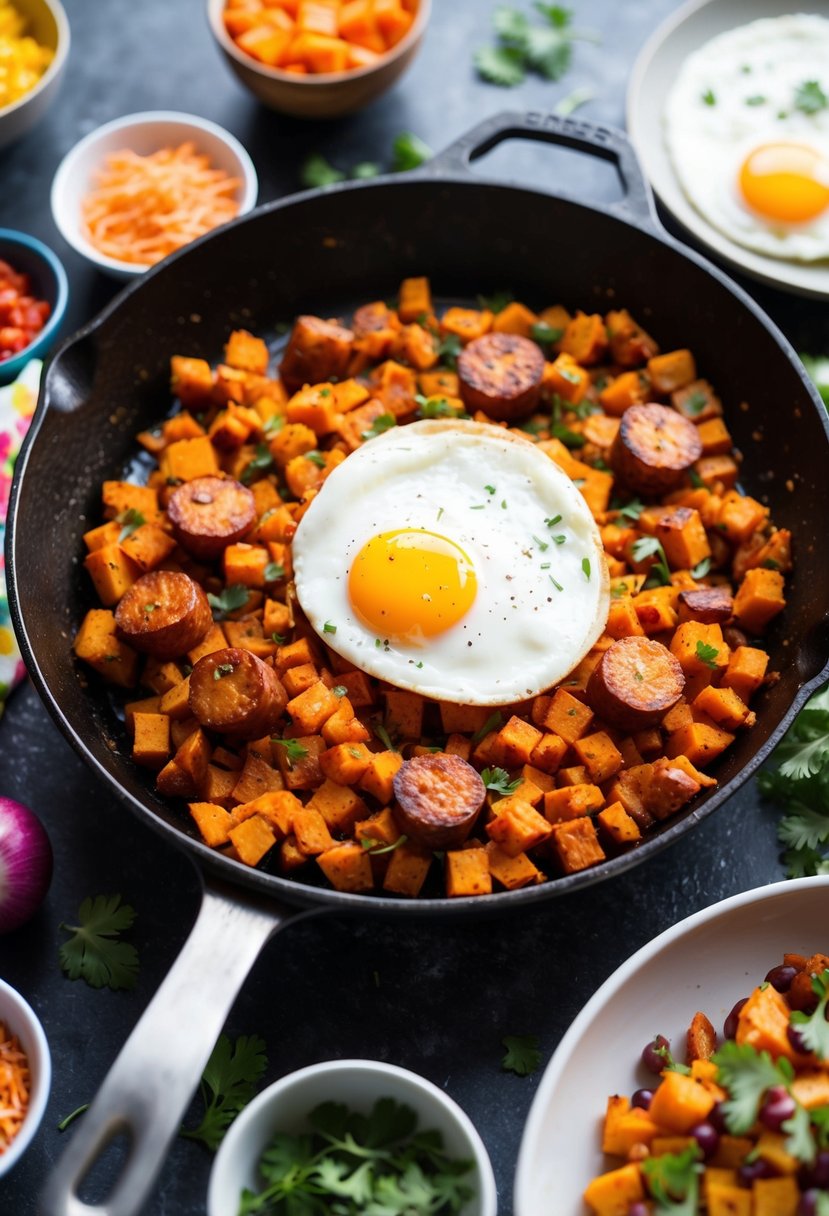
[701, 568]
[631, 510]
[230, 600]
[93, 953]
[316, 458]
[316, 172]
[695, 402]
[273, 425]
[496, 302]
[408, 152]
[523, 1056]
[570, 439]
[649, 546]
[810, 98]
[673, 1181]
[804, 828]
[799, 1139]
[756, 100]
[813, 1027]
[223, 669]
[498, 780]
[449, 347]
[294, 750]
[707, 654]
[746, 1074]
[435, 407]
[384, 422]
[708, 98]
[228, 1083]
[544, 334]
[131, 520]
[500, 65]
[260, 463]
[274, 572]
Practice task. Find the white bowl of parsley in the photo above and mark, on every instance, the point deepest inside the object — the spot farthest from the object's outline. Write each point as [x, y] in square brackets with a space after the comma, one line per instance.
[290, 1150]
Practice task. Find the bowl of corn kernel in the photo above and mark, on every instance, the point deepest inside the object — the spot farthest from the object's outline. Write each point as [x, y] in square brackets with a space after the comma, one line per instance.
[34, 44]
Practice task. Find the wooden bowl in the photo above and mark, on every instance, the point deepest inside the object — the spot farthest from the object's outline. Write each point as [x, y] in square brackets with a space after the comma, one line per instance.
[322, 95]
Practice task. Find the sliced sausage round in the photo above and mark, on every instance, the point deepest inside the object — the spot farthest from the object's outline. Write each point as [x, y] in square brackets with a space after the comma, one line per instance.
[635, 683]
[501, 374]
[210, 513]
[439, 798]
[235, 693]
[653, 449]
[165, 614]
[711, 605]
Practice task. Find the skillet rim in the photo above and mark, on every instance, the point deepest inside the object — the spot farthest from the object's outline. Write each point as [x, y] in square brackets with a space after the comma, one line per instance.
[289, 891]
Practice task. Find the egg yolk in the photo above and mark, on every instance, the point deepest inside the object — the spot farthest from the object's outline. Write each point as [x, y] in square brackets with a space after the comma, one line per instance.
[785, 182]
[411, 584]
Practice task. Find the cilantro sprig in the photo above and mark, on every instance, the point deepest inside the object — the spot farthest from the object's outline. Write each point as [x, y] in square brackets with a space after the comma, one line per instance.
[228, 1083]
[673, 1181]
[130, 520]
[810, 98]
[408, 152]
[523, 45]
[747, 1074]
[93, 952]
[649, 546]
[707, 654]
[352, 1163]
[813, 1028]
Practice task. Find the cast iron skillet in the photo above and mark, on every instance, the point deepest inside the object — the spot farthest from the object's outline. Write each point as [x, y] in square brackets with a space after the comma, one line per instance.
[328, 252]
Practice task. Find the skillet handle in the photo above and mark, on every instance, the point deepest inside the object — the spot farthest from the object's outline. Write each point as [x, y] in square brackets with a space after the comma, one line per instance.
[608, 143]
[153, 1079]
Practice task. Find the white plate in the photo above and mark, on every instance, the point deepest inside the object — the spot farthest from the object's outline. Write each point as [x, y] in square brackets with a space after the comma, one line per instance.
[706, 962]
[653, 74]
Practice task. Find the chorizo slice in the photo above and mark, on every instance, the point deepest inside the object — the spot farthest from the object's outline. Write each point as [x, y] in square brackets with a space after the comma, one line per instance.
[438, 798]
[210, 513]
[711, 605]
[235, 693]
[654, 448]
[501, 374]
[317, 350]
[635, 683]
[165, 614]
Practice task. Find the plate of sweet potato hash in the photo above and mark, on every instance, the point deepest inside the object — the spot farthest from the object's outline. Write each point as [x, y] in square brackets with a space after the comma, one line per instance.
[539, 626]
[697, 1077]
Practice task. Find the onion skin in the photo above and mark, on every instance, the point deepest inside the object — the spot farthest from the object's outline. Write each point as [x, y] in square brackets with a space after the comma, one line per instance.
[25, 864]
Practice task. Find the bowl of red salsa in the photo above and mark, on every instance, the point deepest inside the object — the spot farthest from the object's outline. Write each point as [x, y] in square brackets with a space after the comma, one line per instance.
[33, 297]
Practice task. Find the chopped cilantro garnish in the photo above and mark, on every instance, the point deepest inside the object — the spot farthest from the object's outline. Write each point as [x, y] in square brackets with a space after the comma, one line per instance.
[498, 780]
[707, 654]
[274, 572]
[708, 97]
[230, 600]
[260, 463]
[810, 98]
[522, 1056]
[380, 424]
[294, 750]
[544, 334]
[701, 568]
[316, 458]
[131, 520]
[328, 627]
[585, 566]
[649, 546]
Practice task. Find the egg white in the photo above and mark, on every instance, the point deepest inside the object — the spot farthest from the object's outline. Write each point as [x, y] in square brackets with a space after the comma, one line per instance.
[769, 59]
[521, 635]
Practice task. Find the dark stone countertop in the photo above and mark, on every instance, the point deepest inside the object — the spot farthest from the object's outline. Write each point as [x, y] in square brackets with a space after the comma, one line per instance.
[436, 998]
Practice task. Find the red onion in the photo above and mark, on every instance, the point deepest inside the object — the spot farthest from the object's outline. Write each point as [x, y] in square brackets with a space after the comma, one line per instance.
[25, 864]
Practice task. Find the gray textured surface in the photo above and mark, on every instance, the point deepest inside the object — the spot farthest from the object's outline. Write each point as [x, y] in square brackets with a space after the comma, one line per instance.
[436, 998]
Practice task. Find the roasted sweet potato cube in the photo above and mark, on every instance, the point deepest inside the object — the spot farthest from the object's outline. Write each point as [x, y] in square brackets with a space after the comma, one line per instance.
[573, 801]
[585, 338]
[344, 727]
[191, 380]
[378, 777]
[702, 744]
[347, 867]
[724, 706]
[96, 643]
[680, 1103]
[567, 717]
[340, 806]
[112, 571]
[511, 872]
[576, 845]
[746, 671]
[517, 826]
[311, 832]
[517, 741]
[758, 600]
[255, 777]
[619, 826]
[548, 753]
[213, 822]
[218, 786]
[345, 763]
[404, 713]
[188, 459]
[313, 707]
[317, 351]
[615, 1191]
[246, 352]
[671, 371]
[740, 516]
[252, 839]
[415, 299]
[680, 531]
[464, 719]
[599, 755]
[300, 766]
[466, 872]
[407, 869]
[151, 744]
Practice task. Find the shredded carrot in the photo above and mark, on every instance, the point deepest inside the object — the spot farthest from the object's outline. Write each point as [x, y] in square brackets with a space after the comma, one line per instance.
[145, 207]
[14, 1087]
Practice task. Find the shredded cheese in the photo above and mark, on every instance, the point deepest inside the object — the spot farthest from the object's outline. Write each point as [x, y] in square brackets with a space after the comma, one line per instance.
[14, 1087]
[145, 207]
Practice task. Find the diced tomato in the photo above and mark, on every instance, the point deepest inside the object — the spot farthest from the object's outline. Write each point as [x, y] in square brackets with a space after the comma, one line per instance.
[22, 315]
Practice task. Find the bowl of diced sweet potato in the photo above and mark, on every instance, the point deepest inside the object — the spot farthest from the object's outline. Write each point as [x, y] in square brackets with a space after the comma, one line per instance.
[318, 58]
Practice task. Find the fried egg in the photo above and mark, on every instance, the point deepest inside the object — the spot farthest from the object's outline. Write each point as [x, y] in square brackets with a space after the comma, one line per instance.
[454, 559]
[747, 130]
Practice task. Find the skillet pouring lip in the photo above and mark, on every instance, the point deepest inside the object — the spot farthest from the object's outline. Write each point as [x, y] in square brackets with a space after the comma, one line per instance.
[288, 890]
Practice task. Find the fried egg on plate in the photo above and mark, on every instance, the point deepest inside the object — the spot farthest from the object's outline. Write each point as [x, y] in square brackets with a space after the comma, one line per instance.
[454, 559]
[747, 130]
